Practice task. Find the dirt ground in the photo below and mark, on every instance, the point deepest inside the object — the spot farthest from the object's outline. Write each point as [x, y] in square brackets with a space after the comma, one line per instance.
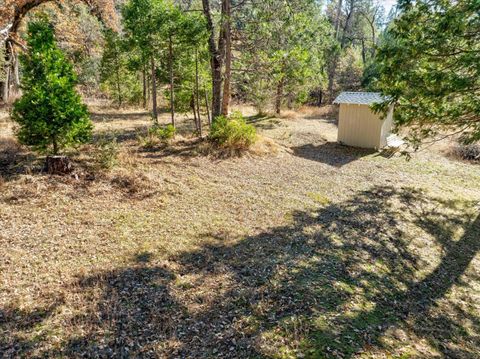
[301, 248]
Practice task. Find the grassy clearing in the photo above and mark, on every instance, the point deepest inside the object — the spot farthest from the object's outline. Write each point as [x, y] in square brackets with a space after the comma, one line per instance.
[308, 250]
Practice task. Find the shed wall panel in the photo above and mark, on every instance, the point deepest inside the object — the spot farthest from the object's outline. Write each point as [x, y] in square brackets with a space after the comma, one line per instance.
[358, 126]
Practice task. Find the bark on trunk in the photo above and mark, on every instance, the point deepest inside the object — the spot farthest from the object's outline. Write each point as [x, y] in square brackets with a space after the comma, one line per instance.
[197, 96]
[58, 165]
[207, 106]
[364, 55]
[228, 59]
[154, 92]
[144, 78]
[194, 110]
[119, 88]
[337, 20]
[6, 84]
[290, 101]
[16, 72]
[279, 97]
[216, 60]
[217, 89]
[172, 91]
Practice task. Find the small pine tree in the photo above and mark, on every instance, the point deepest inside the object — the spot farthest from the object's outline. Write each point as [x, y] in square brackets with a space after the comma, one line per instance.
[50, 113]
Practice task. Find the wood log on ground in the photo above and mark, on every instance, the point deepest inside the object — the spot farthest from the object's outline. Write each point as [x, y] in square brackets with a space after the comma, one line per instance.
[58, 165]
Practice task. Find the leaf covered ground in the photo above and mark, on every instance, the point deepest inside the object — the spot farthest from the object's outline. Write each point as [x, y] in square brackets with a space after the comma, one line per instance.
[303, 248]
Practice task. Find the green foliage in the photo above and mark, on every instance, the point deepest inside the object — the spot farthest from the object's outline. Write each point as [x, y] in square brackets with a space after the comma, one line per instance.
[259, 94]
[350, 70]
[157, 135]
[117, 79]
[107, 152]
[428, 65]
[50, 113]
[162, 133]
[293, 58]
[79, 35]
[149, 141]
[233, 132]
[151, 27]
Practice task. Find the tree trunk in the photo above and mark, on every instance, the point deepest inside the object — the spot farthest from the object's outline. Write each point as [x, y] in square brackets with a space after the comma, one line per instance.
[58, 165]
[154, 92]
[228, 59]
[346, 27]
[172, 91]
[290, 101]
[14, 83]
[279, 96]
[16, 72]
[197, 94]
[216, 59]
[149, 93]
[217, 89]
[207, 106]
[144, 78]
[374, 39]
[332, 72]
[55, 145]
[119, 88]
[6, 84]
[364, 55]
[194, 110]
[337, 20]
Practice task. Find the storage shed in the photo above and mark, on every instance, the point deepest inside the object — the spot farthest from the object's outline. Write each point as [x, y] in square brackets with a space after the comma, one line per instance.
[358, 125]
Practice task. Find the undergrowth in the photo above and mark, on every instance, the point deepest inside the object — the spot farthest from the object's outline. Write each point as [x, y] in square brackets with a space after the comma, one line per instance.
[233, 132]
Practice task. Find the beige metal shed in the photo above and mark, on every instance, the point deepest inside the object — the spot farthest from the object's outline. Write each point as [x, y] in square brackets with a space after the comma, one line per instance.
[358, 125]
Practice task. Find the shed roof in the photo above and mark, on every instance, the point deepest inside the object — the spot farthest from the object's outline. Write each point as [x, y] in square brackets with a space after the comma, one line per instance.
[360, 98]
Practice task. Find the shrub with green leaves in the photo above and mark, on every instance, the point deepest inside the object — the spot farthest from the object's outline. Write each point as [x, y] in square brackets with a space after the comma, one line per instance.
[233, 132]
[156, 135]
[107, 152]
[163, 133]
[50, 114]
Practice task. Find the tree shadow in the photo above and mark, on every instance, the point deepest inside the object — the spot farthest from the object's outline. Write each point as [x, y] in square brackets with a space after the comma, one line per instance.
[120, 313]
[15, 160]
[331, 153]
[124, 135]
[348, 273]
[116, 116]
[15, 321]
[263, 121]
[333, 282]
[131, 312]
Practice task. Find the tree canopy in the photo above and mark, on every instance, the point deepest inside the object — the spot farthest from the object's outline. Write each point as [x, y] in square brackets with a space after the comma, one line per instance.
[50, 113]
[428, 64]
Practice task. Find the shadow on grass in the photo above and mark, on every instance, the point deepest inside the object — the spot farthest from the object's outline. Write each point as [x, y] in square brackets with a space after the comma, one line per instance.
[15, 160]
[16, 321]
[331, 153]
[334, 282]
[116, 116]
[263, 121]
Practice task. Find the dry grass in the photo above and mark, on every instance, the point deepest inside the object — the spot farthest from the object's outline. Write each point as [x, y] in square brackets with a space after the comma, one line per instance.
[302, 248]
